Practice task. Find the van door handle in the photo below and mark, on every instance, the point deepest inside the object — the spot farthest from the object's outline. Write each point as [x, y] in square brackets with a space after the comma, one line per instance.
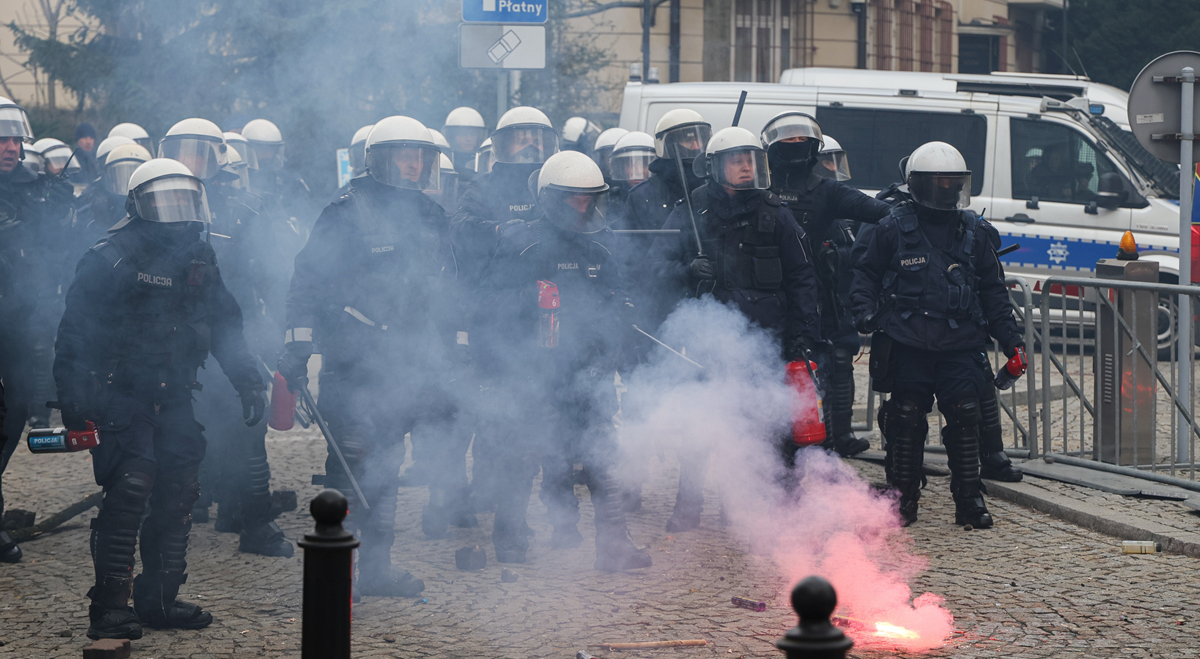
[1020, 218]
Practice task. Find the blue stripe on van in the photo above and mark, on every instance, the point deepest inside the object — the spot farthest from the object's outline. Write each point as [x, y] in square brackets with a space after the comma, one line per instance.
[1057, 253]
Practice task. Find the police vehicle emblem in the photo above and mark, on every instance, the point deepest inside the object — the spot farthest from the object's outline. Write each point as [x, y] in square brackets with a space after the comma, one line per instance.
[1058, 252]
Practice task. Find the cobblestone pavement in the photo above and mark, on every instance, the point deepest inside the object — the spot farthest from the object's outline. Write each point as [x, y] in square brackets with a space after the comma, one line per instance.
[1030, 587]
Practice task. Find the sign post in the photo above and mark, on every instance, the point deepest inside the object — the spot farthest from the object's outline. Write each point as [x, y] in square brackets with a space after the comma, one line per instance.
[503, 34]
[1162, 104]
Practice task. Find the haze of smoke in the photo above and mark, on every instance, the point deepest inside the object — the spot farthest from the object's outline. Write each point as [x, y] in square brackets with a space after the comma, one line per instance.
[822, 519]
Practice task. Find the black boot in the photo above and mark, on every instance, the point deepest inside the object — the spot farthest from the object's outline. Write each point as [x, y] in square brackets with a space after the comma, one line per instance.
[164, 556]
[839, 407]
[615, 552]
[513, 484]
[376, 576]
[9, 551]
[906, 432]
[260, 534]
[994, 464]
[113, 546]
[689, 500]
[631, 498]
[961, 437]
[997, 467]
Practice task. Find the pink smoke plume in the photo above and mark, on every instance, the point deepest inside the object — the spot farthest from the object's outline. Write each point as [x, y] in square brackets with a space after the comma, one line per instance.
[822, 518]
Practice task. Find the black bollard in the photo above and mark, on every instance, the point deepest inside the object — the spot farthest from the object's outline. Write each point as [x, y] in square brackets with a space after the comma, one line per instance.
[328, 580]
[815, 637]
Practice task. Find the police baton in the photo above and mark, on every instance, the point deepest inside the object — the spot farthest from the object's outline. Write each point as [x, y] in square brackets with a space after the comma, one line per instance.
[687, 196]
[673, 351]
[315, 414]
[1008, 250]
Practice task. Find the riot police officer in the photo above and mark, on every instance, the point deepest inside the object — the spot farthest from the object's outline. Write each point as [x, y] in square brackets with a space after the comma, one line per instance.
[465, 131]
[612, 203]
[679, 136]
[374, 289]
[236, 472]
[579, 134]
[146, 308]
[938, 262]
[269, 174]
[102, 206]
[133, 132]
[560, 373]
[752, 255]
[822, 203]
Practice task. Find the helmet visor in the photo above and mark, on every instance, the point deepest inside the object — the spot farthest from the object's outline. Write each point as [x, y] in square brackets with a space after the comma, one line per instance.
[248, 155]
[524, 144]
[741, 169]
[941, 190]
[603, 156]
[14, 123]
[358, 156]
[632, 166]
[791, 125]
[116, 176]
[34, 161]
[56, 158]
[172, 199]
[484, 160]
[267, 156]
[571, 210]
[204, 157]
[146, 143]
[686, 141]
[446, 194]
[464, 139]
[833, 165]
[410, 165]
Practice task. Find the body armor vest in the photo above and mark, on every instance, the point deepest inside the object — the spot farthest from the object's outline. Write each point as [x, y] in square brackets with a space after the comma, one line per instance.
[933, 282]
[750, 249]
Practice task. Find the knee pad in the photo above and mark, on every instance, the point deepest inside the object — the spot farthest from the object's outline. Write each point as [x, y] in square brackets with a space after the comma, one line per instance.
[179, 491]
[963, 413]
[905, 416]
[128, 493]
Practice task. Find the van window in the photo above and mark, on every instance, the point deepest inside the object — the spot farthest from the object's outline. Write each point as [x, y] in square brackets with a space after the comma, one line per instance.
[1054, 163]
[876, 140]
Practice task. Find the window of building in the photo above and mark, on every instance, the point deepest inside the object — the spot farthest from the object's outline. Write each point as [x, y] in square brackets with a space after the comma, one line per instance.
[768, 37]
[1054, 163]
[876, 140]
[978, 53]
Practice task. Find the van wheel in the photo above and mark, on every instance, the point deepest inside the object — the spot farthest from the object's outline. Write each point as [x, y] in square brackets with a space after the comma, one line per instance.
[1168, 323]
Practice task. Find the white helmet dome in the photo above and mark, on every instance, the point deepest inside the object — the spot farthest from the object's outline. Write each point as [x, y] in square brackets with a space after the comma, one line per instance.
[681, 132]
[938, 177]
[579, 133]
[609, 138]
[735, 158]
[239, 145]
[631, 158]
[119, 166]
[45, 143]
[55, 153]
[446, 192]
[197, 143]
[464, 130]
[264, 132]
[133, 132]
[358, 149]
[401, 153]
[165, 190]
[792, 138]
[109, 143]
[832, 162]
[562, 180]
[524, 135]
[440, 141]
[485, 157]
[13, 120]
[445, 163]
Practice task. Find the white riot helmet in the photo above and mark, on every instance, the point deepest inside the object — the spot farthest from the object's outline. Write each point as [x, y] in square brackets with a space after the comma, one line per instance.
[446, 193]
[735, 158]
[938, 177]
[197, 143]
[681, 131]
[119, 166]
[578, 134]
[32, 159]
[567, 188]
[109, 143]
[239, 168]
[464, 130]
[792, 138]
[440, 141]
[358, 150]
[55, 154]
[485, 157]
[133, 132]
[524, 135]
[165, 190]
[603, 148]
[267, 142]
[13, 121]
[401, 153]
[239, 144]
[631, 158]
[832, 162]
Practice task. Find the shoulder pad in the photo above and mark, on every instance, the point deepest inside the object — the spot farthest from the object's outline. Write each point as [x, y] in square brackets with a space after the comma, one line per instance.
[772, 199]
[342, 199]
[113, 248]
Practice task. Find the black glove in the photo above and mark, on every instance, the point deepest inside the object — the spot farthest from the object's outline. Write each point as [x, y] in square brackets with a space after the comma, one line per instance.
[293, 365]
[74, 417]
[1011, 349]
[797, 348]
[703, 268]
[254, 405]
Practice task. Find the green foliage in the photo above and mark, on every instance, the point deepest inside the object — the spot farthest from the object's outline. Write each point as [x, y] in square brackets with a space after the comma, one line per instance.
[1116, 38]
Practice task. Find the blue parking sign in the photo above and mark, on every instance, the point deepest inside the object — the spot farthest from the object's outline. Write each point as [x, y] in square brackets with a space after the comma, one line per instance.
[504, 11]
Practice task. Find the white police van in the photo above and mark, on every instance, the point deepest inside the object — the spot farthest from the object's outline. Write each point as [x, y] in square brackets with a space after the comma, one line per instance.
[1055, 167]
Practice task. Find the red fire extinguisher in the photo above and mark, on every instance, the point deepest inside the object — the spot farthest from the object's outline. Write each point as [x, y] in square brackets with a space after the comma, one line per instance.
[548, 302]
[283, 405]
[808, 423]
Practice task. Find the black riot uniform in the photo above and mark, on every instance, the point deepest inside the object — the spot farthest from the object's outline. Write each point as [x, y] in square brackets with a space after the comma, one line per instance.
[98, 211]
[762, 266]
[374, 290]
[558, 402]
[827, 210]
[146, 308]
[256, 248]
[948, 284]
